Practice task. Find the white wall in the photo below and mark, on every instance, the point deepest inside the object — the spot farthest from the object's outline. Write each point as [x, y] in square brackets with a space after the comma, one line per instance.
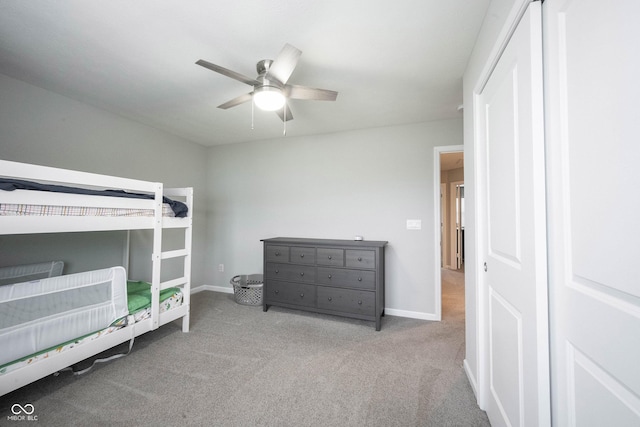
[40, 127]
[486, 46]
[366, 182]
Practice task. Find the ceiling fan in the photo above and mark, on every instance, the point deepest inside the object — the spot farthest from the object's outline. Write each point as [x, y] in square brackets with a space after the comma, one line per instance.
[270, 88]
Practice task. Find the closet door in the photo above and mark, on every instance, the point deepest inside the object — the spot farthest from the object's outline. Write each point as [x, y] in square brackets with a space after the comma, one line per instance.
[513, 305]
[592, 104]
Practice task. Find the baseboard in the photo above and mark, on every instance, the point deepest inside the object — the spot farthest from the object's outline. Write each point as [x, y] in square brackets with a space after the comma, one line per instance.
[389, 311]
[223, 289]
[470, 377]
[410, 314]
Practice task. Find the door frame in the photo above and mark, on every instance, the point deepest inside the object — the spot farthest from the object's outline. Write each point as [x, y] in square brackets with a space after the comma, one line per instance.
[437, 209]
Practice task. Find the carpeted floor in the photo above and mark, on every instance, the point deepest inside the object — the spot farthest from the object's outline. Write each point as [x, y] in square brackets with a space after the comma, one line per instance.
[240, 366]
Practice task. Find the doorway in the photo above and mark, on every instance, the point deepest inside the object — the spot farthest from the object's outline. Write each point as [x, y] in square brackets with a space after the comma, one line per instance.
[452, 210]
[449, 210]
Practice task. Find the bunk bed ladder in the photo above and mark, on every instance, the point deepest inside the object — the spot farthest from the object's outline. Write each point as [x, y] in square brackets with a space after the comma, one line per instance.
[188, 235]
[156, 258]
[159, 256]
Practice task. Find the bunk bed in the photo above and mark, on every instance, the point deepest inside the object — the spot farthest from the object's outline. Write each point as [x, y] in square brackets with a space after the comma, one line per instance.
[39, 199]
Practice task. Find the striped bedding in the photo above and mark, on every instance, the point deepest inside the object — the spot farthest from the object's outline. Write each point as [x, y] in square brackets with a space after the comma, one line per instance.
[9, 209]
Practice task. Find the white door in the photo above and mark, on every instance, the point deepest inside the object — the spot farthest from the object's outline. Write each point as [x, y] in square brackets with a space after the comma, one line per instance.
[514, 323]
[592, 108]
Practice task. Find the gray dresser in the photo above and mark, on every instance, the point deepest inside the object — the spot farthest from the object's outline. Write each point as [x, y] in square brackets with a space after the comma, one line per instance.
[341, 277]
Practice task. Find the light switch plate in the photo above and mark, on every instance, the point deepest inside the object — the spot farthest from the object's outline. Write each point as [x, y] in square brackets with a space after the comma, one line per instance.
[414, 224]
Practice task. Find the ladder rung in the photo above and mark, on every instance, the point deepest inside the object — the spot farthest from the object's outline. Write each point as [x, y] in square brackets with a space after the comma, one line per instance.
[173, 283]
[174, 254]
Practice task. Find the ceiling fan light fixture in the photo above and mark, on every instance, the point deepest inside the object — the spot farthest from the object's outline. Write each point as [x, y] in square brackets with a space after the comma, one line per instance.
[268, 98]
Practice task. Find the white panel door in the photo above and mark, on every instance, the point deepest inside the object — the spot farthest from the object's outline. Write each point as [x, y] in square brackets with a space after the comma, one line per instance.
[515, 385]
[592, 104]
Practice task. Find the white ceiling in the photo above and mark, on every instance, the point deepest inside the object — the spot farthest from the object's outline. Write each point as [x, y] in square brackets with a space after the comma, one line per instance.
[391, 62]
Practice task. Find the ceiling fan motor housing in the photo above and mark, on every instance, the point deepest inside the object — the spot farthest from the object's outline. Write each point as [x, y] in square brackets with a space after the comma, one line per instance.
[263, 66]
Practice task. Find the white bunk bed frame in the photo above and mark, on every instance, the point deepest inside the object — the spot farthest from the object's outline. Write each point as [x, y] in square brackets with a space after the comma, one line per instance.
[58, 224]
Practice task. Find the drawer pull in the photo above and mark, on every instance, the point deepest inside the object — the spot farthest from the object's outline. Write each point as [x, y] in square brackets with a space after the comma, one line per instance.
[359, 279]
[329, 298]
[277, 291]
[359, 302]
[359, 258]
[302, 274]
[301, 295]
[277, 271]
[277, 253]
[329, 276]
[329, 256]
[301, 255]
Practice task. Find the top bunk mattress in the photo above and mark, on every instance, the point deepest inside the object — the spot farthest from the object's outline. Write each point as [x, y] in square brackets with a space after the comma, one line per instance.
[41, 200]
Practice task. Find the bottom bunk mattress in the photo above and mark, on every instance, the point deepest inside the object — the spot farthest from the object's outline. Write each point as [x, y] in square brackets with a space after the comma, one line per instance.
[110, 300]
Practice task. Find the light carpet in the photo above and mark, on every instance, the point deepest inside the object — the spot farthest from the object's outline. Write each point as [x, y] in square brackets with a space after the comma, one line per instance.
[240, 366]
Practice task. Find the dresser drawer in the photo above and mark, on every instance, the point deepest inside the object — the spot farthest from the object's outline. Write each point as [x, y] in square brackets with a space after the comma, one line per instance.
[277, 253]
[360, 259]
[291, 293]
[340, 277]
[301, 255]
[330, 256]
[291, 272]
[346, 300]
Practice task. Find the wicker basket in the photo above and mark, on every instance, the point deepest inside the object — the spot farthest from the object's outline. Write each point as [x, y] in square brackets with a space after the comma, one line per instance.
[247, 289]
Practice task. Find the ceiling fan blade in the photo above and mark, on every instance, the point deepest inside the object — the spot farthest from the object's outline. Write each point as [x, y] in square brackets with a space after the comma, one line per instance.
[281, 113]
[309, 93]
[218, 69]
[236, 101]
[284, 64]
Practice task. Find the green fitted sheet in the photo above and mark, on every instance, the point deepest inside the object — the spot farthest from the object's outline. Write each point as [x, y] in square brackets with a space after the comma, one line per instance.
[139, 295]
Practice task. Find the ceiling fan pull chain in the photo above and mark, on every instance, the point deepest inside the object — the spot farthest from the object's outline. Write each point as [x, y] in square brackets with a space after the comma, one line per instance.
[252, 114]
[284, 133]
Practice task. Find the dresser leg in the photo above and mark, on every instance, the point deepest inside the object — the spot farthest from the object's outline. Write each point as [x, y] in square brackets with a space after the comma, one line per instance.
[378, 323]
[265, 307]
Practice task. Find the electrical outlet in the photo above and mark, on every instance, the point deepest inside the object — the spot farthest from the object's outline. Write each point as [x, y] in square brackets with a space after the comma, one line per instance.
[221, 268]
